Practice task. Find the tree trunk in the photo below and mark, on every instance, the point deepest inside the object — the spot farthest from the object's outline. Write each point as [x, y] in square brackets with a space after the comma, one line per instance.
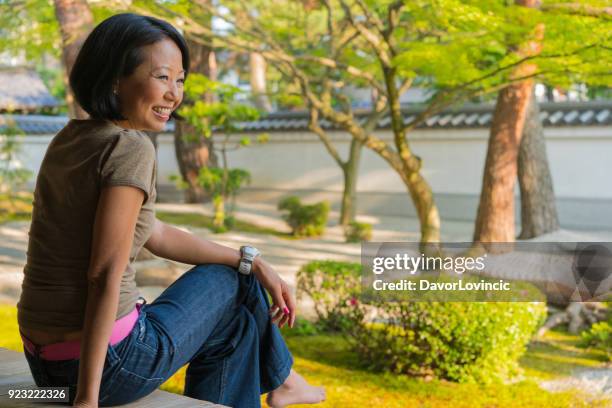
[538, 208]
[350, 171]
[495, 217]
[193, 150]
[410, 170]
[427, 211]
[76, 22]
[257, 65]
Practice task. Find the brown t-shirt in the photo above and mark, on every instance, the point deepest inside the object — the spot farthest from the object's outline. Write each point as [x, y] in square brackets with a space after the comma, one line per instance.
[83, 157]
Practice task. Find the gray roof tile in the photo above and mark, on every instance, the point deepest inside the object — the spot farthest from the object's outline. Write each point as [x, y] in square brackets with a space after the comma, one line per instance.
[603, 115]
[22, 89]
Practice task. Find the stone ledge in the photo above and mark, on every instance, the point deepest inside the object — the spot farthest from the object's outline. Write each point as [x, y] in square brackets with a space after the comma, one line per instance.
[15, 374]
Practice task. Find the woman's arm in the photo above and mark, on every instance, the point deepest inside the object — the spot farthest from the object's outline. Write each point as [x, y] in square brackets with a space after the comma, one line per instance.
[171, 243]
[113, 233]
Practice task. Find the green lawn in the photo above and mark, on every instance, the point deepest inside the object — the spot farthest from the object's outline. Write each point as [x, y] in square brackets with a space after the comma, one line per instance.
[205, 221]
[327, 360]
[17, 209]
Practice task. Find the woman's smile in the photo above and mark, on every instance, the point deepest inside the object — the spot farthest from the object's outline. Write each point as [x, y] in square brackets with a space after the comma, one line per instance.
[162, 113]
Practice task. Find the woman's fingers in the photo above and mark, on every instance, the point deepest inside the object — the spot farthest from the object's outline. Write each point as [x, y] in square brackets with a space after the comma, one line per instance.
[276, 316]
[290, 300]
[279, 301]
[283, 320]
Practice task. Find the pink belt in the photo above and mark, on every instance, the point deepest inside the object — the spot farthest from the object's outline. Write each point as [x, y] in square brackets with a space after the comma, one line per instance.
[70, 350]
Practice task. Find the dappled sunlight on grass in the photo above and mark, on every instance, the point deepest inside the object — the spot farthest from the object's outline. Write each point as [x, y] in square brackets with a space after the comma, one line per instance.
[557, 355]
[205, 221]
[318, 359]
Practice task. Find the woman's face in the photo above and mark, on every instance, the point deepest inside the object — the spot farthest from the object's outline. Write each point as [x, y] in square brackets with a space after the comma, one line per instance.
[155, 88]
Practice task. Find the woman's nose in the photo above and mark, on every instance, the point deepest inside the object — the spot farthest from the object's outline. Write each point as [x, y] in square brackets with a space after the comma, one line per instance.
[173, 92]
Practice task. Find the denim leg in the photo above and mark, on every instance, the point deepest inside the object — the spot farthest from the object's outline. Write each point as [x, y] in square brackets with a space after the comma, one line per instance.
[226, 368]
[212, 316]
[275, 360]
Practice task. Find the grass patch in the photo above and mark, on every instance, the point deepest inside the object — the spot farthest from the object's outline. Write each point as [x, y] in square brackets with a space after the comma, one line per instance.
[19, 208]
[558, 355]
[206, 221]
[327, 360]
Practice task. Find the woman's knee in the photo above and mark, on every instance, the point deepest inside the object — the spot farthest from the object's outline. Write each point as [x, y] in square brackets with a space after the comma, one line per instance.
[219, 272]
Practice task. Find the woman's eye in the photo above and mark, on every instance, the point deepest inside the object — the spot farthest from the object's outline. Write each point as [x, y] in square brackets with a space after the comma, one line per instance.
[182, 80]
[163, 77]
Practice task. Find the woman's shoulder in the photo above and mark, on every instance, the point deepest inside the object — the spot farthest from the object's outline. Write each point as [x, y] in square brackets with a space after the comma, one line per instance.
[105, 131]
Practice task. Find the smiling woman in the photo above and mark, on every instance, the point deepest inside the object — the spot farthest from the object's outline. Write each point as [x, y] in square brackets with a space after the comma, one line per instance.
[79, 314]
[143, 71]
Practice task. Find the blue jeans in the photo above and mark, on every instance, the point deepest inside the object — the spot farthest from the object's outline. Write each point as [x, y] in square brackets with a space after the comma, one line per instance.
[212, 318]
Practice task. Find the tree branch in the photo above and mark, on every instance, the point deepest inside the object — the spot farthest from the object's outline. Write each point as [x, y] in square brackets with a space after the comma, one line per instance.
[316, 128]
[579, 9]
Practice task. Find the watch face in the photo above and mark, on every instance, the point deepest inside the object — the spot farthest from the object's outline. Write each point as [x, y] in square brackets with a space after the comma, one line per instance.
[250, 251]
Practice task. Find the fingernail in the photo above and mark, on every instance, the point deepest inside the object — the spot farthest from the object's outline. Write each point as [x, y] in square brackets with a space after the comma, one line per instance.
[286, 310]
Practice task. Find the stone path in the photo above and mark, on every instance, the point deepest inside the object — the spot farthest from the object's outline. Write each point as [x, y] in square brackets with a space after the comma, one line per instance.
[595, 384]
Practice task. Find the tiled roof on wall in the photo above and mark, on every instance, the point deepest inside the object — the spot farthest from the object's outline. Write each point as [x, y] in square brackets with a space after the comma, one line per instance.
[592, 113]
[22, 88]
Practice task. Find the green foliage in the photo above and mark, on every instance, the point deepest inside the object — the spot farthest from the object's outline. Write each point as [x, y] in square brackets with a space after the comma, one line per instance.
[217, 182]
[456, 47]
[358, 231]
[178, 181]
[458, 341]
[303, 327]
[222, 114]
[305, 220]
[221, 184]
[29, 28]
[333, 288]
[599, 336]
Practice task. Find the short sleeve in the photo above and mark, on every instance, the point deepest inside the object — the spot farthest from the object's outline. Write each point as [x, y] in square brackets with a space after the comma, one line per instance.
[130, 162]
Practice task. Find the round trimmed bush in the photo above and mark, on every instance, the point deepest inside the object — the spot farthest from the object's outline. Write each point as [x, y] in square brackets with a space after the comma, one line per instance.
[458, 341]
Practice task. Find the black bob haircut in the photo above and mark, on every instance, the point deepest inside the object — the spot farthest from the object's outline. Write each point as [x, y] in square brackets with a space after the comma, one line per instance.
[112, 51]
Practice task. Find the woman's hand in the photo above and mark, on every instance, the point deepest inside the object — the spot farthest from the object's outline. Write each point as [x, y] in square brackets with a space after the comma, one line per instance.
[283, 309]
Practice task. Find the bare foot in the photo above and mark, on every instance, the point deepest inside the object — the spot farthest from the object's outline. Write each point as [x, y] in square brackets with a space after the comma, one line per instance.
[295, 390]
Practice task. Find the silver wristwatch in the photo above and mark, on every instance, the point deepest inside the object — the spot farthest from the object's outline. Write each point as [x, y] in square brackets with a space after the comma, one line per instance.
[247, 257]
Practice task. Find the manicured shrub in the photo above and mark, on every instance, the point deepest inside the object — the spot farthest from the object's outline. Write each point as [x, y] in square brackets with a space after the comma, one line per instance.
[305, 220]
[458, 341]
[358, 231]
[333, 287]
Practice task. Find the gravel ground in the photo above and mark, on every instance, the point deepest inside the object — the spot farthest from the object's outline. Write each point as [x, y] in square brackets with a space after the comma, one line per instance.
[596, 384]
